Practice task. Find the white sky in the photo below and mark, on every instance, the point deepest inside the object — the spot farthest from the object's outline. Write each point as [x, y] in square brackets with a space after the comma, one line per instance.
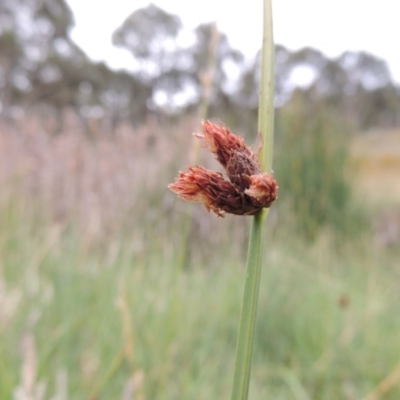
[332, 26]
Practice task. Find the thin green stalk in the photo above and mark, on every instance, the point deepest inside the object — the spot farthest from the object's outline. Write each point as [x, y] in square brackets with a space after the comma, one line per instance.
[206, 79]
[257, 238]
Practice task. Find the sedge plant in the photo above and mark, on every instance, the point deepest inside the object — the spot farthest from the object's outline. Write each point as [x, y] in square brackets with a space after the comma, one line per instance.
[241, 380]
[249, 191]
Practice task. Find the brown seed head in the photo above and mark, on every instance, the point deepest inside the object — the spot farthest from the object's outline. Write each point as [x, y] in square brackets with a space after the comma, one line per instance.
[220, 141]
[263, 188]
[209, 188]
[248, 191]
[344, 301]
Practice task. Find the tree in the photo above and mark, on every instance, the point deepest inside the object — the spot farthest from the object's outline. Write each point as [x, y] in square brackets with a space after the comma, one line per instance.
[150, 34]
[174, 70]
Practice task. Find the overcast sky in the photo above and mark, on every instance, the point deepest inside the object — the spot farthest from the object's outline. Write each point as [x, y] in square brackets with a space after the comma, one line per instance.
[332, 26]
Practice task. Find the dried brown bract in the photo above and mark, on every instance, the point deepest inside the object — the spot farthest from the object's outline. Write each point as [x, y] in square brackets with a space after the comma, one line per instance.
[248, 191]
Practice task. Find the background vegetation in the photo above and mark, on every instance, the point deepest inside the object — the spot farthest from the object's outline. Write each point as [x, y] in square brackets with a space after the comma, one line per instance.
[94, 302]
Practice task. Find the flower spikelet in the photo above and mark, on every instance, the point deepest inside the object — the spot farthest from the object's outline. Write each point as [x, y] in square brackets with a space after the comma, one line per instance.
[210, 188]
[263, 189]
[248, 189]
[223, 143]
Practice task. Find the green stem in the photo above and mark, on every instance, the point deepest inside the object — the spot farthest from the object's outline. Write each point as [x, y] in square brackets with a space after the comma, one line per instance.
[257, 238]
[267, 89]
[249, 310]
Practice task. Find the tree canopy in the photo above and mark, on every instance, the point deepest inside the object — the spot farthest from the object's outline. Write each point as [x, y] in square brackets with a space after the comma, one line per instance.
[40, 64]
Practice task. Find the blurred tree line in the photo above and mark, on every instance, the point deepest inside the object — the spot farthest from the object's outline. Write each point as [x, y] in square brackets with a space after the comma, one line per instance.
[40, 66]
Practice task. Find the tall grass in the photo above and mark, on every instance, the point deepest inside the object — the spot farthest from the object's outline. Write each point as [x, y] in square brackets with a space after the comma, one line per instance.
[321, 319]
[312, 166]
[91, 303]
[113, 188]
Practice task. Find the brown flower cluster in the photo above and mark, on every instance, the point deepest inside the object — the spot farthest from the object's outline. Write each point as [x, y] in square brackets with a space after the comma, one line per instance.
[248, 189]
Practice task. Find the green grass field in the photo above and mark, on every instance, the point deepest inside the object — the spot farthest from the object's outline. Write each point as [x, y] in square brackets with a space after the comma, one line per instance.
[95, 305]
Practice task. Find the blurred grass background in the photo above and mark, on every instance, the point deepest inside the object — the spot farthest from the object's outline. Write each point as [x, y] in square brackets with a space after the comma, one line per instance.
[95, 305]
[95, 302]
